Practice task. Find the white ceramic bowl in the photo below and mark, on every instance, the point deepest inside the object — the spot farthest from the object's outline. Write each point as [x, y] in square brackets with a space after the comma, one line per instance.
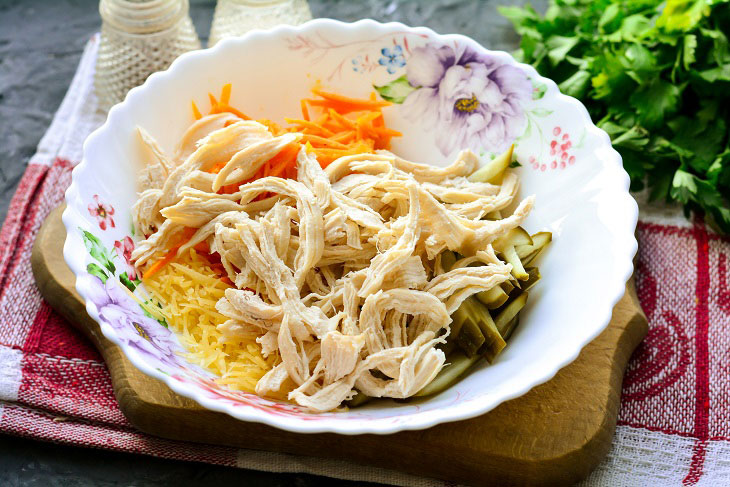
[581, 188]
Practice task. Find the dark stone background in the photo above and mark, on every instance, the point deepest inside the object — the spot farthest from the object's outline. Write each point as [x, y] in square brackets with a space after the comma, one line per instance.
[40, 45]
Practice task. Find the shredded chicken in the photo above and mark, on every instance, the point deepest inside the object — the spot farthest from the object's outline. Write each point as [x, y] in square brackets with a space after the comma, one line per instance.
[338, 272]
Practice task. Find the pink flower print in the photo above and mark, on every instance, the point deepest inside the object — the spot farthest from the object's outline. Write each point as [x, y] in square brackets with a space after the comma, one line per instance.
[124, 248]
[560, 156]
[102, 212]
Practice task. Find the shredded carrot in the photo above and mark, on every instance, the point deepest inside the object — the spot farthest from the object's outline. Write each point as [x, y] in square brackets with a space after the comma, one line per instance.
[305, 111]
[371, 103]
[228, 189]
[332, 125]
[322, 141]
[273, 127]
[226, 94]
[342, 120]
[224, 107]
[344, 137]
[310, 125]
[291, 172]
[326, 156]
[196, 112]
[386, 132]
[344, 108]
[369, 117]
[284, 159]
[157, 266]
[187, 234]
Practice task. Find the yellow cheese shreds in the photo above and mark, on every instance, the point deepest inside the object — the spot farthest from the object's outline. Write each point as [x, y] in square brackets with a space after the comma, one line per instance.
[188, 290]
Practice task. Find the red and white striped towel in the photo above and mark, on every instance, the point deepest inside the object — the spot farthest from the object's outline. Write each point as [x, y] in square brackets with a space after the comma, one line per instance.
[674, 421]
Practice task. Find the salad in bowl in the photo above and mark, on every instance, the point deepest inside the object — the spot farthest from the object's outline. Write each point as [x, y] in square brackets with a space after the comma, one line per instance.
[337, 227]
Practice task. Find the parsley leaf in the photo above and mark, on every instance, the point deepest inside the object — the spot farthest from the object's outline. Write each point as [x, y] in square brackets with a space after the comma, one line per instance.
[655, 74]
[654, 100]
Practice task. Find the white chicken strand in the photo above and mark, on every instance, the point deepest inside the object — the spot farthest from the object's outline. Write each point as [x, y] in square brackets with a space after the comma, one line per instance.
[337, 272]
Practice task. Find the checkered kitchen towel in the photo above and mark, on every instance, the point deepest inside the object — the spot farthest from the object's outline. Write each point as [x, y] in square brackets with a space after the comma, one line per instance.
[674, 422]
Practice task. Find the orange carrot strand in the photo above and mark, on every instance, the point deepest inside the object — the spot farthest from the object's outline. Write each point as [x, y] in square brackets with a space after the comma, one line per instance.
[327, 142]
[285, 158]
[310, 125]
[305, 110]
[223, 107]
[196, 113]
[350, 101]
[344, 121]
[226, 94]
[157, 266]
[187, 234]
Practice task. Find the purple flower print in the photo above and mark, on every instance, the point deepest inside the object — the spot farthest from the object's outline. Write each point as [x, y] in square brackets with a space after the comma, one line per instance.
[472, 100]
[392, 58]
[123, 314]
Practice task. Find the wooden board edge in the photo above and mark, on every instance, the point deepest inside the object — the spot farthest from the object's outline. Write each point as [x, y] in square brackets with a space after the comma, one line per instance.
[596, 447]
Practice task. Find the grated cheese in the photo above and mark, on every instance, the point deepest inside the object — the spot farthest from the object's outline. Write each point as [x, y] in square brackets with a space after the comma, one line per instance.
[187, 290]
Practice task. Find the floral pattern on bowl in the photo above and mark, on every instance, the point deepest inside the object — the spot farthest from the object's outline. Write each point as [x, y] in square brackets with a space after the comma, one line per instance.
[469, 99]
[448, 93]
[466, 98]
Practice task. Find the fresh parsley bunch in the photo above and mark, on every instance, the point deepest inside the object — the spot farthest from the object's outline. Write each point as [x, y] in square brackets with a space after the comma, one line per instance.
[655, 75]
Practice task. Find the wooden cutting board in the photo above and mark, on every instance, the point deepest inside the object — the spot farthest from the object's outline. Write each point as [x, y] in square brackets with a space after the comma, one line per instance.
[553, 435]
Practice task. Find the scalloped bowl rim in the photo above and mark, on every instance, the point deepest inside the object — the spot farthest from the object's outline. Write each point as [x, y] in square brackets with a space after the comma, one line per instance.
[625, 251]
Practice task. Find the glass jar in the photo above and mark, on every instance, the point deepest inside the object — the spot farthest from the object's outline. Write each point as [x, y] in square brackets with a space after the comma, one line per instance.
[138, 38]
[236, 17]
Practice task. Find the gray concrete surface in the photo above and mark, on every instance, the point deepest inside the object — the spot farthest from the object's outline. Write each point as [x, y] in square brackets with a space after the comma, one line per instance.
[40, 45]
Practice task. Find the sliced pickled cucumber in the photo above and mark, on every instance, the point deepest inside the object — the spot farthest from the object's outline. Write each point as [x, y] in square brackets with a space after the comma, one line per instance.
[458, 364]
[470, 338]
[493, 298]
[516, 236]
[457, 321]
[493, 342]
[492, 171]
[507, 286]
[510, 256]
[528, 253]
[508, 312]
[510, 327]
[493, 215]
[541, 239]
[534, 274]
[525, 252]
